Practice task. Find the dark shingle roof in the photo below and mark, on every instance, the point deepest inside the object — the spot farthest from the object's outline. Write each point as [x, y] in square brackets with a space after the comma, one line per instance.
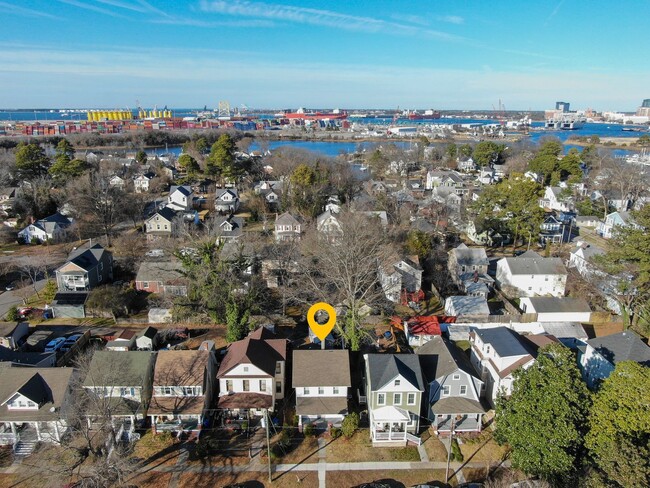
[439, 357]
[559, 304]
[624, 346]
[87, 256]
[321, 368]
[118, 368]
[532, 263]
[257, 349]
[383, 368]
[470, 256]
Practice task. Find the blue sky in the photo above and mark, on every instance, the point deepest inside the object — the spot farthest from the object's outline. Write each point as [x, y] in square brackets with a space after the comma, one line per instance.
[440, 54]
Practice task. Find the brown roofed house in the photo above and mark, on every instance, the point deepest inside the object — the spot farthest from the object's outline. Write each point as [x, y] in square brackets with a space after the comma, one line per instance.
[251, 375]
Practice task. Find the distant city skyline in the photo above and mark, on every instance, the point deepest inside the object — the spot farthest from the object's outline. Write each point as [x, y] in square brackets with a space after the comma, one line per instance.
[287, 54]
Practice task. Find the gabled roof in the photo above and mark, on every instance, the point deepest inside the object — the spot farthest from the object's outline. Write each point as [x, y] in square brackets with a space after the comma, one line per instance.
[162, 271]
[86, 256]
[559, 304]
[588, 251]
[329, 367]
[35, 389]
[439, 357]
[466, 256]
[286, 219]
[504, 341]
[184, 190]
[166, 213]
[624, 346]
[223, 191]
[532, 263]
[260, 349]
[180, 368]
[149, 332]
[383, 368]
[118, 368]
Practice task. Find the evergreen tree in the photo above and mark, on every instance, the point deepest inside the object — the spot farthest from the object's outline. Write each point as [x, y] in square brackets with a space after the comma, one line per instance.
[31, 161]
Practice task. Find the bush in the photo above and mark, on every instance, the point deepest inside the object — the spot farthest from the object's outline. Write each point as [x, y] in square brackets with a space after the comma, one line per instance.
[456, 453]
[308, 430]
[335, 432]
[350, 424]
[50, 291]
[12, 314]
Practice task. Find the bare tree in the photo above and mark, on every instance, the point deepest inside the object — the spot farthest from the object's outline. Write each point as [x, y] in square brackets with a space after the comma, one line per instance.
[344, 270]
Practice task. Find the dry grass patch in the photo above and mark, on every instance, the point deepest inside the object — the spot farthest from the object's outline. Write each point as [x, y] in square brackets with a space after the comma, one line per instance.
[280, 480]
[475, 474]
[152, 479]
[483, 449]
[359, 448]
[160, 449]
[436, 450]
[303, 450]
[397, 478]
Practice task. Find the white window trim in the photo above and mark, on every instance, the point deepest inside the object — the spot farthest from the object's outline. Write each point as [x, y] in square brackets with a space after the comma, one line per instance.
[415, 399]
[379, 397]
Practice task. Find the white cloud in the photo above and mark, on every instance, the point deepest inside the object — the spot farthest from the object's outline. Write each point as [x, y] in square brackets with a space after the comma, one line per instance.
[450, 19]
[25, 12]
[93, 8]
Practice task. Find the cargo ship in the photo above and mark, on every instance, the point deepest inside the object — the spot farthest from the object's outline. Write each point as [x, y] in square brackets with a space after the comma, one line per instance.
[415, 115]
[301, 114]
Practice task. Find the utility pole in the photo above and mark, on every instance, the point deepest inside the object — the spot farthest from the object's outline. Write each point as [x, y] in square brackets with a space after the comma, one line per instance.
[451, 439]
[268, 442]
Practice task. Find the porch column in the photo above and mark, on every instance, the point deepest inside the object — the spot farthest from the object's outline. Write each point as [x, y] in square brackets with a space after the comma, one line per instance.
[13, 429]
[390, 430]
[56, 431]
[38, 431]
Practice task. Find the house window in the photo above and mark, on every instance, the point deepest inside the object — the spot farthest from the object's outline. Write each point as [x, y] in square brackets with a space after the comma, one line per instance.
[397, 398]
[245, 369]
[397, 382]
[167, 390]
[247, 385]
[335, 390]
[127, 391]
[158, 226]
[456, 376]
[321, 390]
[228, 385]
[278, 368]
[410, 399]
[262, 385]
[463, 389]
[381, 399]
[278, 387]
[305, 390]
[446, 390]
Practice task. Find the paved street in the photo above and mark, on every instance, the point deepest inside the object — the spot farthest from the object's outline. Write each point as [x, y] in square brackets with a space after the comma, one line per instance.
[11, 298]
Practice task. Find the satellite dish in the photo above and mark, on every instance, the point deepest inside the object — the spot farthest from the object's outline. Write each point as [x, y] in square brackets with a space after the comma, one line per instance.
[52, 409]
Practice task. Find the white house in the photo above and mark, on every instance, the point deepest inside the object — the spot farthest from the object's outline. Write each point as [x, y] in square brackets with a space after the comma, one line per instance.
[12, 333]
[226, 200]
[252, 374]
[180, 198]
[601, 355]
[453, 387]
[400, 275]
[496, 353]
[141, 182]
[556, 309]
[458, 306]
[321, 379]
[117, 181]
[532, 275]
[50, 228]
[556, 198]
[328, 224]
[287, 227]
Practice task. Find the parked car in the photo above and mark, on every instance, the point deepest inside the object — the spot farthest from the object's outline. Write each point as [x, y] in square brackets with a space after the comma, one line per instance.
[70, 341]
[55, 344]
[10, 286]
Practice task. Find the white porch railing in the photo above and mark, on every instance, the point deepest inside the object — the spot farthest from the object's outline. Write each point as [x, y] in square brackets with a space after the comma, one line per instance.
[7, 438]
[389, 436]
[413, 438]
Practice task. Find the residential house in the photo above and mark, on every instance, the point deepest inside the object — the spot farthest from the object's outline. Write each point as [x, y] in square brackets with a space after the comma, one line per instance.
[12, 334]
[52, 228]
[117, 181]
[287, 227]
[162, 277]
[34, 405]
[419, 329]
[557, 198]
[557, 309]
[394, 387]
[271, 191]
[18, 359]
[453, 387]
[321, 379]
[141, 182]
[612, 221]
[124, 341]
[468, 266]
[467, 165]
[228, 227]
[119, 384]
[532, 275]
[252, 373]
[180, 198]
[161, 224]
[496, 353]
[376, 216]
[88, 266]
[400, 275]
[486, 236]
[183, 386]
[329, 225]
[459, 306]
[602, 354]
[226, 200]
[589, 221]
[8, 193]
[552, 230]
[147, 339]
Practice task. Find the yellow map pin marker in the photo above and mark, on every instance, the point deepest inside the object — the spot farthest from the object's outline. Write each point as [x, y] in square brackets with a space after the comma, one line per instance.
[321, 330]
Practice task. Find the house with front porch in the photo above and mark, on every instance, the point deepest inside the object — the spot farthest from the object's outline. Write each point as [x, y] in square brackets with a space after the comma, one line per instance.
[393, 389]
[612, 221]
[33, 405]
[453, 387]
[226, 200]
[183, 386]
[252, 374]
[287, 227]
[161, 224]
[118, 386]
[180, 198]
[141, 182]
[88, 266]
[557, 198]
[496, 353]
[321, 379]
